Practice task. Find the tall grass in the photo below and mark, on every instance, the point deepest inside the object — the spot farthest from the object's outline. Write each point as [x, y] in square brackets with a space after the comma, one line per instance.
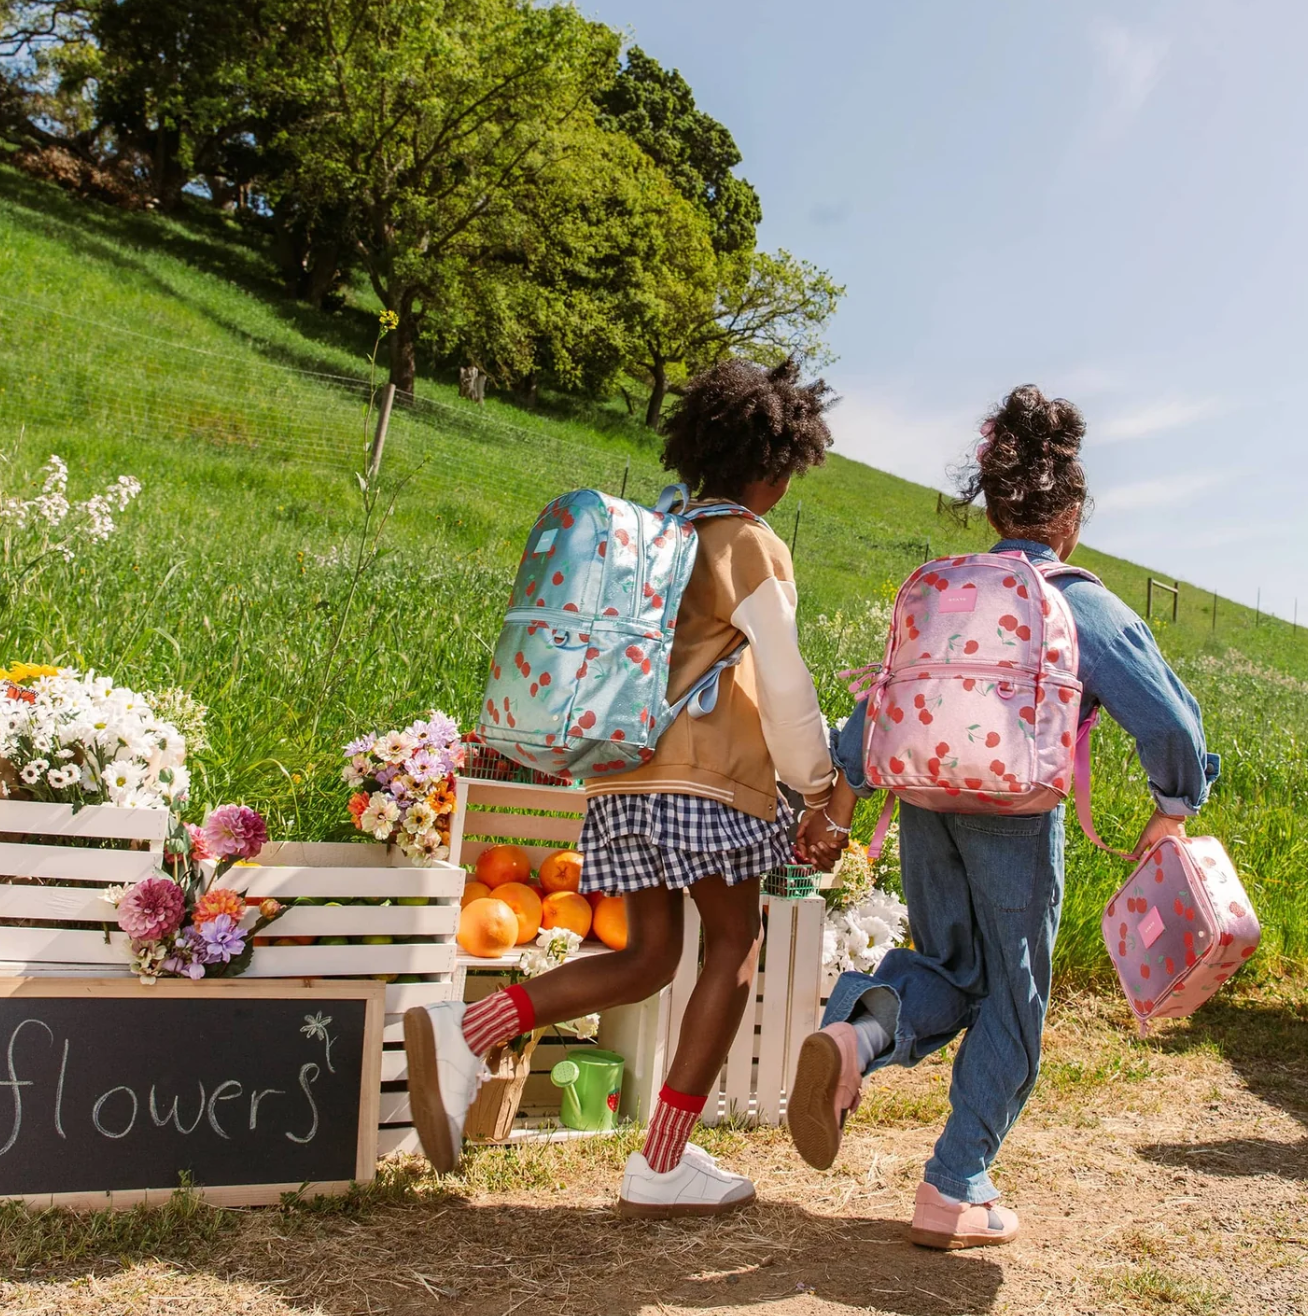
[230, 572]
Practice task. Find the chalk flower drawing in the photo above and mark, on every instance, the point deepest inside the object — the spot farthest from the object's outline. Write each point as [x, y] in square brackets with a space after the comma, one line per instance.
[315, 1027]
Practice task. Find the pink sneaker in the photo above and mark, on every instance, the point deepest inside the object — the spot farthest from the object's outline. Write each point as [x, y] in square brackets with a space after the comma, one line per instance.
[939, 1221]
[825, 1092]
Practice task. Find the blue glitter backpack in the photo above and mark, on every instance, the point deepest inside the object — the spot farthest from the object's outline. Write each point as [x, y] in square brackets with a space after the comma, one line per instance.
[578, 684]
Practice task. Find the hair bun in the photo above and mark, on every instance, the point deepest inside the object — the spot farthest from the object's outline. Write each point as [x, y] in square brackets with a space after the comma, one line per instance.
[1029, 469]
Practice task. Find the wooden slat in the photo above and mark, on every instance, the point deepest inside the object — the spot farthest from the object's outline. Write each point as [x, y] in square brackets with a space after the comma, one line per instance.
[511, 795]
[339, 883]
[394, 1066]
[367, 921]
[805, 978]
[65, 945]
[268, 1194]
[522, 826]
[86, 905]
[103, 821]
[331, 854]
[325, 961]
[401, 996]
[394, 1108]
[66, 863]
[68, 904]
[403, 1138]
[771, 1076]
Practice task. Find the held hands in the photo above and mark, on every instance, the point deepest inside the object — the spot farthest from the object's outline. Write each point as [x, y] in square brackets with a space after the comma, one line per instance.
[1156, 828]
[817, 841]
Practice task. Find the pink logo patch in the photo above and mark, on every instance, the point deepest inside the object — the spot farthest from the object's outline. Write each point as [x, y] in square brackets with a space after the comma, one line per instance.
[1151, 927]
[958, 600]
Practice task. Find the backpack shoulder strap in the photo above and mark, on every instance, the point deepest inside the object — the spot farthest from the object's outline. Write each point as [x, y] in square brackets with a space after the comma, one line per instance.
[1053, 570]
[676, 497]
[1081, 786]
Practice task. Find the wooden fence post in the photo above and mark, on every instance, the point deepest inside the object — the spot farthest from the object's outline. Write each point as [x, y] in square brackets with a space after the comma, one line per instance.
[379, 439]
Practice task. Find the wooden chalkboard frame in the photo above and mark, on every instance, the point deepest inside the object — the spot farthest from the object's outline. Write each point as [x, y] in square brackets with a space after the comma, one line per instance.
[373, 994]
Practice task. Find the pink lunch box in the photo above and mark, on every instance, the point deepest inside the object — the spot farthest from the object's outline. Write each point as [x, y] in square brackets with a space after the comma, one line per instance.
[1179, 927]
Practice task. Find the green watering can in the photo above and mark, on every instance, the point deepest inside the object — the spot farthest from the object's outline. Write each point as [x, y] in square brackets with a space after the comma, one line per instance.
[591, 1080]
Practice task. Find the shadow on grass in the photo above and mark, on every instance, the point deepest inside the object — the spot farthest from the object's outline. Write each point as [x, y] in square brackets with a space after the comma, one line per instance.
[466, 1258]
[1266, 1043]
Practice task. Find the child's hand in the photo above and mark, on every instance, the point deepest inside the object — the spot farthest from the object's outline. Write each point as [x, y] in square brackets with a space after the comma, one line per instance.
[1156, 828]
[818, 842]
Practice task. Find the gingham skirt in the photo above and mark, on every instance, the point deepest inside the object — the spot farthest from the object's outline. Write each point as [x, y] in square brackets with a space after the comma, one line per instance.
[635, 841]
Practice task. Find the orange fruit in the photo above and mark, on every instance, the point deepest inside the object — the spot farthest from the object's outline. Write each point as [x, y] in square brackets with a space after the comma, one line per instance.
[561, 872]
[566, 909]
[487, 928]
[473, 890]
[525, 904]
[502, 863]
[611, 922]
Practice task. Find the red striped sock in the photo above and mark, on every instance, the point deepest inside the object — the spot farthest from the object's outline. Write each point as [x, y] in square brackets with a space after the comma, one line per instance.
[669, 1130]
[498, 1018]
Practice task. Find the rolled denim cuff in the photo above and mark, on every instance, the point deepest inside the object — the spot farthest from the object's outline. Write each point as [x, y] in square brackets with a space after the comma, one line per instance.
[1173, 806]
[1179, 806]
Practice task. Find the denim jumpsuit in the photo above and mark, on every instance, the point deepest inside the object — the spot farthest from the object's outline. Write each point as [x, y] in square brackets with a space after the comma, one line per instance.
[985, 893]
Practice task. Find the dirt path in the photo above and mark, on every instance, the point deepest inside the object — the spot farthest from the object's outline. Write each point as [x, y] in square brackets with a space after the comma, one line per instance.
[1167, 1176]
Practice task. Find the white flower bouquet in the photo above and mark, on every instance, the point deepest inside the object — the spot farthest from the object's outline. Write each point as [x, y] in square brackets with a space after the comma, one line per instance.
[74, 738]
[857, 937]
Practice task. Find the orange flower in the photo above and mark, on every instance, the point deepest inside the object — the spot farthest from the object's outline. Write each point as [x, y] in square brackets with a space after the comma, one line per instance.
[218, 901]
[442, 799]
[358, 803]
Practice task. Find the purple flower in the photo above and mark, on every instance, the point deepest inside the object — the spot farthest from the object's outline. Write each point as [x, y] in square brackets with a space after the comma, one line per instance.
[151, 909]
[362, 745]
[223, 938]
[233, 831]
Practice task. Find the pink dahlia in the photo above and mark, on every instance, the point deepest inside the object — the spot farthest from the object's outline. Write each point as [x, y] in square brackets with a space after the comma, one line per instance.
[151, 909]
[235, 832]
[199, 846]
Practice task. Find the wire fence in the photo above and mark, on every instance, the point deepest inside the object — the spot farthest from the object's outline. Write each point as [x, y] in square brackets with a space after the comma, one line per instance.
[466, 462]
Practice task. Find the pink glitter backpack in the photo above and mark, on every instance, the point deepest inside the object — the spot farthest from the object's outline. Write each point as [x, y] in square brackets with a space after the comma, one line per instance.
[974, 709]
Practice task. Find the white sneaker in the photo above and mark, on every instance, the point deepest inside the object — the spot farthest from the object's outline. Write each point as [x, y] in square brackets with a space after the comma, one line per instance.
[444, 1075]
[696, 1186]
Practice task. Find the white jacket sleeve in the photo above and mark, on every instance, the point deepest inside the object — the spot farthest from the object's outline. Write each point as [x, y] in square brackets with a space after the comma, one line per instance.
[793, 726]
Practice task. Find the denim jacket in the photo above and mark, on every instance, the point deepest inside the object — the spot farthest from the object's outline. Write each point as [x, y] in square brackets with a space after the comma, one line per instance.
[1122, 669]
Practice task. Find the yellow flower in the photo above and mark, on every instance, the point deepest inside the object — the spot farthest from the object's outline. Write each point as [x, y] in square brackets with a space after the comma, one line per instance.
[388, 320]
[22, 672]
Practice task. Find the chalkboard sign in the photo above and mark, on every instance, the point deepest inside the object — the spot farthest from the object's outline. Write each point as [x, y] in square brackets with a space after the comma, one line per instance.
[113, 1092]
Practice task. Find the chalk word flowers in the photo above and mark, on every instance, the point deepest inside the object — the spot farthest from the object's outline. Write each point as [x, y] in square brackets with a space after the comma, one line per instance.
[403, 783]
[181, 923]
[75, 738]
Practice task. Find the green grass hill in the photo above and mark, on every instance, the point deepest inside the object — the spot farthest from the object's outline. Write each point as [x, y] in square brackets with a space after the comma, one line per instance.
[164, 348]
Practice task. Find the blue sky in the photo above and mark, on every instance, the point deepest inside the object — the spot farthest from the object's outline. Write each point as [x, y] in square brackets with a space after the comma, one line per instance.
[1108, 200]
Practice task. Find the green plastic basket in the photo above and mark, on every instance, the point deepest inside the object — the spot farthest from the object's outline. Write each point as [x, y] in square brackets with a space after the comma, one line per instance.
[791, 882]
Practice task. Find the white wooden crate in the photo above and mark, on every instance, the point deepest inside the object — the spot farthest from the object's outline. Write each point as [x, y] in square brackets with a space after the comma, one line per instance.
[71, 878]
[784, 1009]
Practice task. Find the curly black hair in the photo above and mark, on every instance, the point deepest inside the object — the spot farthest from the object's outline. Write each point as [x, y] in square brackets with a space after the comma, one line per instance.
[1028, 467]
[738, 422]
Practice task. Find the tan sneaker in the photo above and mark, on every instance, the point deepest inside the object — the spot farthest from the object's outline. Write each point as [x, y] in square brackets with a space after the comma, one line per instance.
[824, 1094]
[940, 1221]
